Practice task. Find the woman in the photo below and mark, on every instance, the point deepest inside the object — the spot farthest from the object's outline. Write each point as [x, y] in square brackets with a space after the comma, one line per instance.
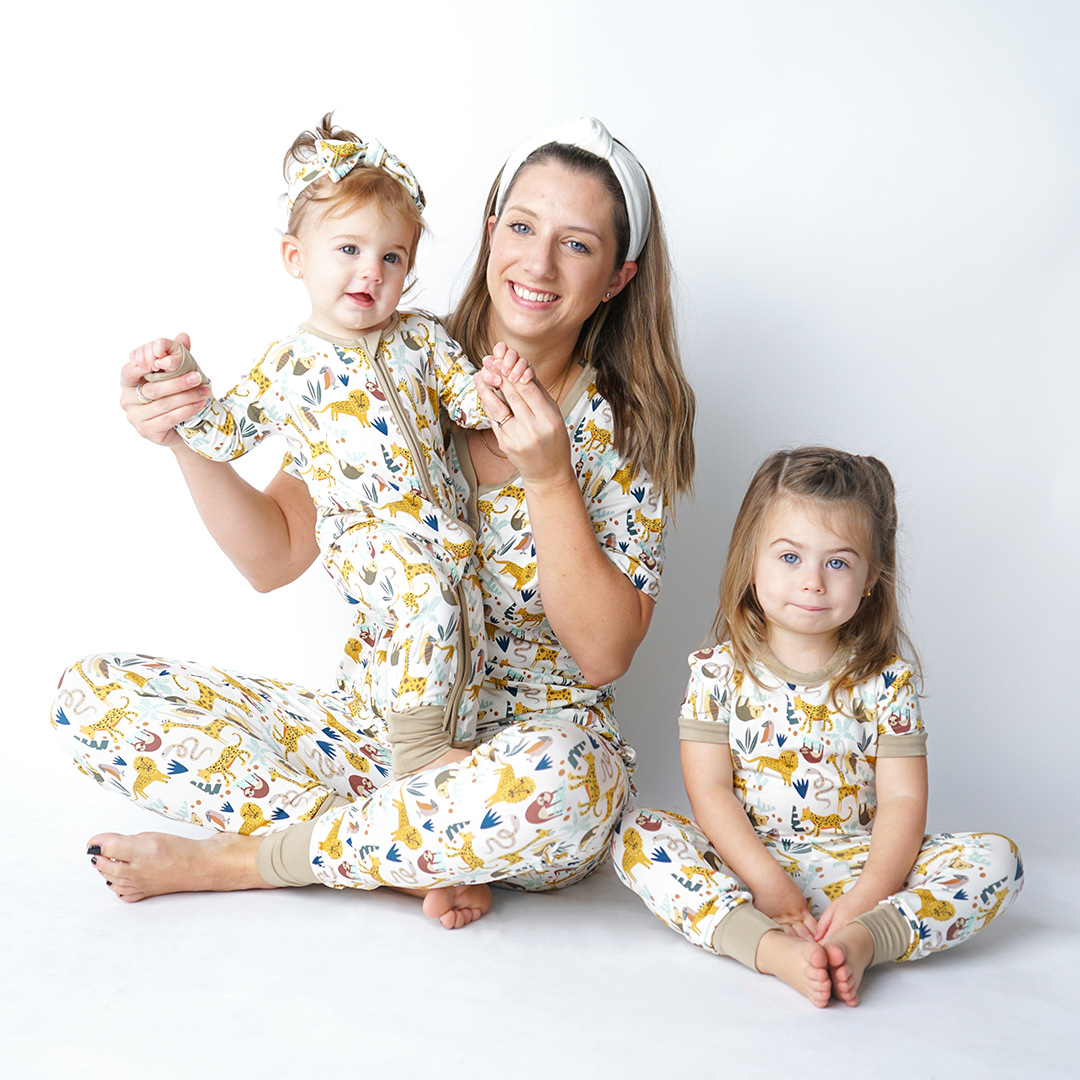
[567, 495]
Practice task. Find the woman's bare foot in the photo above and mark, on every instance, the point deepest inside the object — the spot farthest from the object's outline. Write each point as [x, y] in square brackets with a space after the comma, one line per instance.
[457, 905]
[152, 864]
[849, 951]
[803, 965]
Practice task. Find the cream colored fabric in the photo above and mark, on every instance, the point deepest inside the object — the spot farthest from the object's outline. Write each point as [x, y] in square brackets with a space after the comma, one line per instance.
[187, 363]
[739, 934]
[417, 737]
[890, 931]
[283, 858]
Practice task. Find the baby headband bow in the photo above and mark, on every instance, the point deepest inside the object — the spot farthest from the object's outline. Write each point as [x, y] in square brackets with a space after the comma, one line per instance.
[587, 133]
[337, 159]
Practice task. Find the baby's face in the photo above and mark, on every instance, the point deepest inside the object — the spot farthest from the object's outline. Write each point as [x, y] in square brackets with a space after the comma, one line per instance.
[354, 267]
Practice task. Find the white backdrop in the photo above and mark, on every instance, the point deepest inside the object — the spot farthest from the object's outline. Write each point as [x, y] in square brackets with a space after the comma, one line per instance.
[873, 211]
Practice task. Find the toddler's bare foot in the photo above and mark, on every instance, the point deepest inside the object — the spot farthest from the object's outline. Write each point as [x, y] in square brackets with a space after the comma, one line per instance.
[849, 952]
[152, 864]
[803, 965]
[457, 905]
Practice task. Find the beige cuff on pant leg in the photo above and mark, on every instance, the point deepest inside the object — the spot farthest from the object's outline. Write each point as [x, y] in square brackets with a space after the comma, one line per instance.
[740, 932]
[417, 737]
[284, 857]
[890, 931]
[187, 363]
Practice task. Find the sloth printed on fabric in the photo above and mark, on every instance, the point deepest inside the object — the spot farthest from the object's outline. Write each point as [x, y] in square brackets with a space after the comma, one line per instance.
[804, 763]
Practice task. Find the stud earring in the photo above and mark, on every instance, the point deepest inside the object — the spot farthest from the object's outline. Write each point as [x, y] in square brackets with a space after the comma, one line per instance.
[607, 296]
[868, 592]
[296, 272]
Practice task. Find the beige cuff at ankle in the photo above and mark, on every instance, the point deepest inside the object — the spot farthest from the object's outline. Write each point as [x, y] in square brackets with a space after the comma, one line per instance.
[890, 931]
[284, 857]
[187, 363]
[417, 737]
[740, 932]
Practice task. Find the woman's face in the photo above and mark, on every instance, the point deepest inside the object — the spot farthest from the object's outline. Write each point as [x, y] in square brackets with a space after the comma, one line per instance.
[552, 259]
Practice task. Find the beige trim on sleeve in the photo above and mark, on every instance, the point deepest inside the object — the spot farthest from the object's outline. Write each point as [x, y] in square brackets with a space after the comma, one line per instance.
[710, 731]
[913, 745]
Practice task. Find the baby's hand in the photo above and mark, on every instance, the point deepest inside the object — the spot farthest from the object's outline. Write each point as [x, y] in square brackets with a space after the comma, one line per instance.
[505, 363]
[786, 905]
[160, 356]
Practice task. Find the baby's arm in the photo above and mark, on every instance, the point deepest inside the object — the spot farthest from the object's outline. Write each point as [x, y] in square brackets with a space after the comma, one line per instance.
[707, 773]
[894, 843]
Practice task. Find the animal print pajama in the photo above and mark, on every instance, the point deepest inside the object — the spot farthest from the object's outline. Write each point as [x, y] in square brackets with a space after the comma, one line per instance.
[800, 760]
[362, 420]
[534, 805]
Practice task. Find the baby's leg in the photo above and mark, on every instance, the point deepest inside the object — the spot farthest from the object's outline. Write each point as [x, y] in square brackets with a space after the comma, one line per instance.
[434, 663]
[960, 883]
[668, 861]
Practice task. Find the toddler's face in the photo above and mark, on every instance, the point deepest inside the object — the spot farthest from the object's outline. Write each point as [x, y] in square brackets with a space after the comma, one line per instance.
[811, 572]
[354, 267]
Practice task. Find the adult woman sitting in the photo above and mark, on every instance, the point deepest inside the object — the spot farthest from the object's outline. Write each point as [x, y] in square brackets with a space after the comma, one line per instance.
[566, 494]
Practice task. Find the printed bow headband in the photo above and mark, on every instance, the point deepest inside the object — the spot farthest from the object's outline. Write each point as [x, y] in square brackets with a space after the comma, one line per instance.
[337, 159]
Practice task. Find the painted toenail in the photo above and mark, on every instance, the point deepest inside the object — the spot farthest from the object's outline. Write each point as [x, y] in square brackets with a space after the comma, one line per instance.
[94, 850]
[93, 862]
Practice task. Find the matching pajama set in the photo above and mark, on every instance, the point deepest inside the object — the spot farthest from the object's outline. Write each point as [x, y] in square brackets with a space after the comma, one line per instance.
[803, 768]
[533, 806]
[362, 422]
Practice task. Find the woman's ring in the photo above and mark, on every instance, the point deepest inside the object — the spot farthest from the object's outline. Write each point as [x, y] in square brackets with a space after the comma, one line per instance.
[139, 395]
[508, 416]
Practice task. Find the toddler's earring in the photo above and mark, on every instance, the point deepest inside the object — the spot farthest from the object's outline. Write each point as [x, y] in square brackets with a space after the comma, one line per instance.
[296, 272]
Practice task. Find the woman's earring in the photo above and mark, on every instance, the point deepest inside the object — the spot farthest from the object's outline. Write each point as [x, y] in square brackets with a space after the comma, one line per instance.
[868, 592]
[296, 272]
[607, 296]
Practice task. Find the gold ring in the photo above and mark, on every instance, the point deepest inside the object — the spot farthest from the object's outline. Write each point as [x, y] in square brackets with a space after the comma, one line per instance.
[499, 423]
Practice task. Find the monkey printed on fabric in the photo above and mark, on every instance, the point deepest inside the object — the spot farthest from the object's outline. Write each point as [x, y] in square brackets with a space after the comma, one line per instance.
[803, 768]
[362, 421]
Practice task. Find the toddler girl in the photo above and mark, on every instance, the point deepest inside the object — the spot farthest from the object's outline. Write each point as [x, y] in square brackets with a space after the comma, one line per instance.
[356, 390]
[804, 754]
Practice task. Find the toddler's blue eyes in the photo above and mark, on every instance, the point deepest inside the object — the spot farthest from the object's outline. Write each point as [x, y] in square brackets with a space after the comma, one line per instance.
[350, 249]
[391, 257]
[790, 558]
[836, 564]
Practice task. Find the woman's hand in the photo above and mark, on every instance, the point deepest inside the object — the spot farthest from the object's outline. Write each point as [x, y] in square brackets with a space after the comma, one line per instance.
[154, 409]
[525, 420]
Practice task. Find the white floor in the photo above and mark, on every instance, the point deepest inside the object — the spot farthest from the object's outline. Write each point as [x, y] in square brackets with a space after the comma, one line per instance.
[583, 983]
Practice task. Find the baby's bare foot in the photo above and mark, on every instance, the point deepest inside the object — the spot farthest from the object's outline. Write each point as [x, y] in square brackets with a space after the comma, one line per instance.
[152, 864]
[457, 905]
[803, 965]
[849, 953]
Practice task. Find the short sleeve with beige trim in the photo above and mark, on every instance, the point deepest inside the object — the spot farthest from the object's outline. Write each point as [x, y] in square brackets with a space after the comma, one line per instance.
[913, 745]
[706, 709]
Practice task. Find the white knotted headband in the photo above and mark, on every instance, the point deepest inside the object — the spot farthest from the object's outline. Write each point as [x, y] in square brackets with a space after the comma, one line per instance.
[336, 159]
[587, 133]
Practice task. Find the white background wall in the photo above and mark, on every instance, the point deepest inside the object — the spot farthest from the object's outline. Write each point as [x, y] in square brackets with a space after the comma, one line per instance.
[873, 210]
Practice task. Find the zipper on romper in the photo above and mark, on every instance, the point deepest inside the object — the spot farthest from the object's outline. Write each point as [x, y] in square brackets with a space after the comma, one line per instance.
[385, 378]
